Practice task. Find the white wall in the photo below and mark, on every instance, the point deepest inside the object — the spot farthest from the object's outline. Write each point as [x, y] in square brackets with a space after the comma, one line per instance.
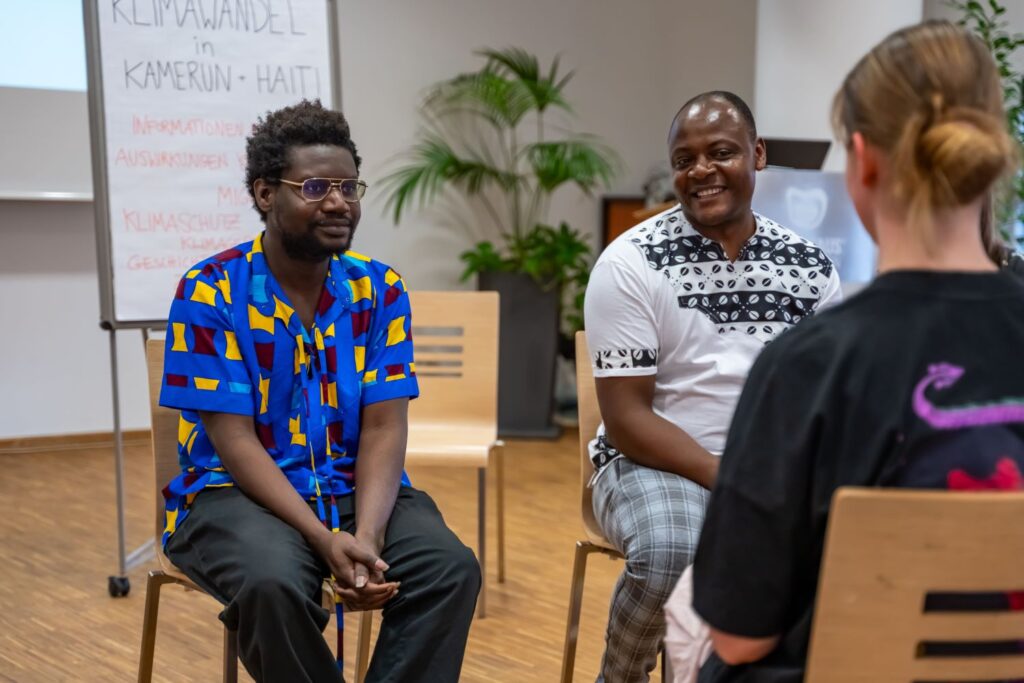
[54, 358]
[635, 63]
[710, 46]
[804, 50]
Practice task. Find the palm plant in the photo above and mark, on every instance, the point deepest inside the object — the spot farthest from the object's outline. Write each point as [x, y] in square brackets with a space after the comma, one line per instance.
[487, 136]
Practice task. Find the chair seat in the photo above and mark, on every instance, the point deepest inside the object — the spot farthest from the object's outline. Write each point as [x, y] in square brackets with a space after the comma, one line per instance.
[601, 542]
[173, 572]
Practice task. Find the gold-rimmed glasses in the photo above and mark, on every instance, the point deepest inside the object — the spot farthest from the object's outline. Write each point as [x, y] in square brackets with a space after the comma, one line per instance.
[316, 189]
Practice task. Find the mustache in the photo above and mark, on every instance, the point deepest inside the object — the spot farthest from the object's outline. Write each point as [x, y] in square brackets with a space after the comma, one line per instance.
[333, 223]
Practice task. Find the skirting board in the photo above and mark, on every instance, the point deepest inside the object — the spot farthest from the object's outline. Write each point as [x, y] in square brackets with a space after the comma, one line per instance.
[71, 442]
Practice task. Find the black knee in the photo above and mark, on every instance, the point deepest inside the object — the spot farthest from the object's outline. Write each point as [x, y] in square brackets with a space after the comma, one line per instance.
[450, 569]
[462, 570]
[277, 598]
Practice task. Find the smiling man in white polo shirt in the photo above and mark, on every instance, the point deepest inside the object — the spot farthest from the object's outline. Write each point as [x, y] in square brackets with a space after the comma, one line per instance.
[676, 311]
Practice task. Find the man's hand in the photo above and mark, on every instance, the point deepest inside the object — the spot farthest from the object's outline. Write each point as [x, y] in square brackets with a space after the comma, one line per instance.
[370, 597]
[374, 544]
[375, 591]
[358, 572]
[350, 560]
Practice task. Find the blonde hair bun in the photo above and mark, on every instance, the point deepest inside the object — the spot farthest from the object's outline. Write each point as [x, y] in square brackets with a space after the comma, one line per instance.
[929, 96]
[962, 155]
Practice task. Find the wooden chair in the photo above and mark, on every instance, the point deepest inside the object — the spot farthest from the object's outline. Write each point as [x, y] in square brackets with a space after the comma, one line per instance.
[885, 551]
[454, 422]
[594, 540]
[165, 460]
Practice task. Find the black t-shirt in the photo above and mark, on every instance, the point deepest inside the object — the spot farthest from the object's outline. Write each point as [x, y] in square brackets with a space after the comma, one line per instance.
[916, 381]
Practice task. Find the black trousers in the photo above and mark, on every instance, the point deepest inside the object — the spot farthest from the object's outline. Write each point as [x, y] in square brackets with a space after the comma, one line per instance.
[269, 581]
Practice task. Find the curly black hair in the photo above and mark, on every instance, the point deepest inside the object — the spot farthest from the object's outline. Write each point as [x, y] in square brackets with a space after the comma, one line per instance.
[306, 123]
[732, 98]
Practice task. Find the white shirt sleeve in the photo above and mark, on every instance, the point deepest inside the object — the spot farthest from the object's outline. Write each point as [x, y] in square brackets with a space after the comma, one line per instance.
[619, 314]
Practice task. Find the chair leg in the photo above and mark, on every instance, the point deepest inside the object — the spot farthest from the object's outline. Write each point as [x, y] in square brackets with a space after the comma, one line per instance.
[499, 464]
[481, 522]
[230, 656]
[363, 646]
[154, 582]
[572, 627]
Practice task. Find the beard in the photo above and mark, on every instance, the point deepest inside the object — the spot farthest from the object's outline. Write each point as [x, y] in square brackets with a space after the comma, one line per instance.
[307, 246]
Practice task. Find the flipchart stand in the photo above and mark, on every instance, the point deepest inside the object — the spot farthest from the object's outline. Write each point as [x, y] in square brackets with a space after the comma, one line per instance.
[119, 584]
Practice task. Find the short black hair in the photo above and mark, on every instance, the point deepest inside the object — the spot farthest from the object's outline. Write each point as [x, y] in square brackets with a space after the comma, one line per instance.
[730, 97]
[306, 123]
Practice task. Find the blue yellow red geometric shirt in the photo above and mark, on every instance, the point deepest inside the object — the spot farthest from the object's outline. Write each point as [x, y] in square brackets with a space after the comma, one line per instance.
[236, 345]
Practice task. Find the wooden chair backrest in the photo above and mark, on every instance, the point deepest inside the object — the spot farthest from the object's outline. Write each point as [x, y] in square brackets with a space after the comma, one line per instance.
[886, 550]
[455, 337]
[589, 420]
[165, 432]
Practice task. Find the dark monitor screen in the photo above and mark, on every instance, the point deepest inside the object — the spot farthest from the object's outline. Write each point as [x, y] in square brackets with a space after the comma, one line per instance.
[791, 153]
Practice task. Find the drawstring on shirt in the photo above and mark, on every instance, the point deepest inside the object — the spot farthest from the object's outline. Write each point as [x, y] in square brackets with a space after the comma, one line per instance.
[335, 525]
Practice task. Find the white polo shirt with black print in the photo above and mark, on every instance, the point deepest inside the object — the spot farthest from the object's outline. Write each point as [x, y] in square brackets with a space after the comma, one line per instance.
[664, 300]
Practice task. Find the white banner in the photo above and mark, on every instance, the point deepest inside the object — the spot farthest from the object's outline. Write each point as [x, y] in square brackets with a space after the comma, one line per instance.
[815, 205]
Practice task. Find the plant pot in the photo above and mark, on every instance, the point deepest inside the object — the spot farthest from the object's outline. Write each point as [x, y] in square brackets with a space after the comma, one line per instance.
[528, 341]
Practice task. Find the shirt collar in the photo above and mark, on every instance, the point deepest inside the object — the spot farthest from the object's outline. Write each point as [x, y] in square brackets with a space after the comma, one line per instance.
[336, 296]
[760, 228]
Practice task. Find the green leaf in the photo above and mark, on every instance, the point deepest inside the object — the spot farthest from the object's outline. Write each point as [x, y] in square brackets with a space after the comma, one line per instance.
[583, 161]
[483, 258]
[500, 100]
[433, 165]
[523, 68]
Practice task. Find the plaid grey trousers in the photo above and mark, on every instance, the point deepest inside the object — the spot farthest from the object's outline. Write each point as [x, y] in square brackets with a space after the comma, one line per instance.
[654, 519]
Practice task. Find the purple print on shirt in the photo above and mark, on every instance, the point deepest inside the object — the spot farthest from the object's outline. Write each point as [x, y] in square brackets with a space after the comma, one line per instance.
[944, 375]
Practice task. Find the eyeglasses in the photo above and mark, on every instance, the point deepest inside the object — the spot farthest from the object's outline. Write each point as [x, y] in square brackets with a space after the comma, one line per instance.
[317, 189]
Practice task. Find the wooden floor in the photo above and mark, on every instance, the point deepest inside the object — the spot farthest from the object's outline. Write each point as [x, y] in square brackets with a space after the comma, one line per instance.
[58, 545]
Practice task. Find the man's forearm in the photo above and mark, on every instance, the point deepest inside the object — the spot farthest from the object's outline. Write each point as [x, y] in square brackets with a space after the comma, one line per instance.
[378, 477]
[652, 441]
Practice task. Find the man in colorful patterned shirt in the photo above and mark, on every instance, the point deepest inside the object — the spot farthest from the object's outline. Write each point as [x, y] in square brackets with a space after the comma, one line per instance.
[291, 360]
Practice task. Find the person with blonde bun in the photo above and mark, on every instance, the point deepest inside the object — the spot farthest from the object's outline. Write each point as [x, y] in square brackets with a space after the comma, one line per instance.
[914, 382]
